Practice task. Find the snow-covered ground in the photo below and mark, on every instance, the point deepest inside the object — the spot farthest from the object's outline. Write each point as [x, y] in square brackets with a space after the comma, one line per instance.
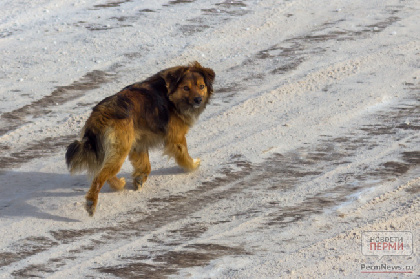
[311, 139]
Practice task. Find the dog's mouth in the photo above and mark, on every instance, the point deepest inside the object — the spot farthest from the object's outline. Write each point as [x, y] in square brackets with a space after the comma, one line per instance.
[196, 102]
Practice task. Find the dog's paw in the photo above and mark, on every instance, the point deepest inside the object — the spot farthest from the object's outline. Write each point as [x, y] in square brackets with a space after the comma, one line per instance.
[196, 163]
[90, 207]
[139, 181]
[117, 184]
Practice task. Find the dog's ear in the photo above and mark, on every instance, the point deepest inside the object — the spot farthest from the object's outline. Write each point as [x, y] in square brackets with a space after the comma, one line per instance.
[207, 73]
[173, 77]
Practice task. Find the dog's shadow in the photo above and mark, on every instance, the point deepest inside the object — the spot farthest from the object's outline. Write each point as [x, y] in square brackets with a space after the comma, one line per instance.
[33, 194]
[37, 194]
[168, 171]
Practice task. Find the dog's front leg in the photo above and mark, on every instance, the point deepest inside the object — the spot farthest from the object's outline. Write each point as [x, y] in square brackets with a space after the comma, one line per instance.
[178, 149]
[142, 168]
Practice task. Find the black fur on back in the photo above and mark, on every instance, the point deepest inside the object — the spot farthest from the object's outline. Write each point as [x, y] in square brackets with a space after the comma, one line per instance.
[157, 104]
[121, 106]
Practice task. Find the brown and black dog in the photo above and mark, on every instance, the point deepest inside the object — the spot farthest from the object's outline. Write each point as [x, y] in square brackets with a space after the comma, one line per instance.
[158, 110]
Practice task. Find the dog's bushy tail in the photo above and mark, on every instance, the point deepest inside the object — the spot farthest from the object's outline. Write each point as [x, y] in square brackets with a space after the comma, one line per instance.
[86, 154]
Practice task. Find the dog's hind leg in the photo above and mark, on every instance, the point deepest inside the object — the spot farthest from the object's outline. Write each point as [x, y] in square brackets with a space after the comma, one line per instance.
[116, 183]
[117, 146]
[110, 169]
[142, 168]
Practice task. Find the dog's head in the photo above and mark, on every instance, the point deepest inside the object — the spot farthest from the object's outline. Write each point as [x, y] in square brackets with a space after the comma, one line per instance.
[189, 87]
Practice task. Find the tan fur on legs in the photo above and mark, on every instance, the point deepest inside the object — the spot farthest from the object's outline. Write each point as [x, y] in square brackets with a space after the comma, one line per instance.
[111, 168]
[119, 140]
[180, 152]
[176, 144]
[116, 183]
[142, 168]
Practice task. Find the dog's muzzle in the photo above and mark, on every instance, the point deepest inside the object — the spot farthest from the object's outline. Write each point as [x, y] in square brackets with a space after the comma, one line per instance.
[197, 101]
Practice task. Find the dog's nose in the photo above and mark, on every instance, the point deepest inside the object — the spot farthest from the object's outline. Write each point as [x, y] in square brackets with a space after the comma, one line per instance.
[198, 100]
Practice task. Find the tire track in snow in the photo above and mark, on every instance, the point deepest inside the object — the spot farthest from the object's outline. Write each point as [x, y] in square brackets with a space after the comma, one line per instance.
[62, 94]
[286, 56]
[41, 148]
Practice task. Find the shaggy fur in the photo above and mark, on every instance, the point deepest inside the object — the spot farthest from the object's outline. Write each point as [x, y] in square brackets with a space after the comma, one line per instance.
[160, 109]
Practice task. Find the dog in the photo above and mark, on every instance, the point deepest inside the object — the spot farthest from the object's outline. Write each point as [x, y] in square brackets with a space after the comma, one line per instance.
[158, 110]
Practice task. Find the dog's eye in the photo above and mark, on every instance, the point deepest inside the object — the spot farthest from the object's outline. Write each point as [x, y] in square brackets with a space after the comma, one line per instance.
[201, 86]
[186, 88]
